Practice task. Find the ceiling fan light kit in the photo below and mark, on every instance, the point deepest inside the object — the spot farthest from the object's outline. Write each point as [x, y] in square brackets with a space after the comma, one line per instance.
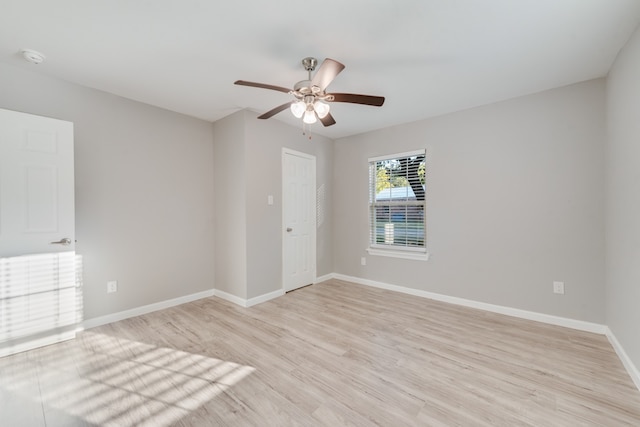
[309, 117]
[321, 109]
[311, 99]
[298, 108]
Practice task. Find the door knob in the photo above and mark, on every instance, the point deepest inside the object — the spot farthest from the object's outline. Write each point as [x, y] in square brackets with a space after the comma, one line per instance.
[289, 229]
[66, 242]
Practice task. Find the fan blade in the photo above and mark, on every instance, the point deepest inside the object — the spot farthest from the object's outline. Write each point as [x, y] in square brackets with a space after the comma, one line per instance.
[353, 98]
[262, 85]
[275, 111]
[326, 73]
[328, 120]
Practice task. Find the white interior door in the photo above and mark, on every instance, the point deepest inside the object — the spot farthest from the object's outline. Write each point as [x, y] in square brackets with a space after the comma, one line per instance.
[37, 231]
[298, 219]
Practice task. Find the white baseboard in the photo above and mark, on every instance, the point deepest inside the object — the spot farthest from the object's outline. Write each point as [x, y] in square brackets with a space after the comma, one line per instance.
[324, 278]
[624, 357]
[248, 302]
[230, 297]
[138, 311]
[264, 298]
[523, 314]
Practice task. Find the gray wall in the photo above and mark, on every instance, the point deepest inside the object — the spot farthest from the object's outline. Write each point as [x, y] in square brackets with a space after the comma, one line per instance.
[248, 155]
[144, 199]
[515, 196]
[231, 205]
[623, 199]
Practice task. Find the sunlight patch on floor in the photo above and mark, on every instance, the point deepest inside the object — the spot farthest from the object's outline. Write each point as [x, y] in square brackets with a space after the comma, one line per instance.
[108, 380]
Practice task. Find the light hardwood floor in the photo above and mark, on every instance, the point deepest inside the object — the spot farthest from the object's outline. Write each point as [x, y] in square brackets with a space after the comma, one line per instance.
[332, 354]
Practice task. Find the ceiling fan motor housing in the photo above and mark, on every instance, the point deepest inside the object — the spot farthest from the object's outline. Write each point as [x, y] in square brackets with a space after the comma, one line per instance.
[302, 88]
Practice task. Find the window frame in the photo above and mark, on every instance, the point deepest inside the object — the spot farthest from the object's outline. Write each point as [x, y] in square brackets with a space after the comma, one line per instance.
[390, 250]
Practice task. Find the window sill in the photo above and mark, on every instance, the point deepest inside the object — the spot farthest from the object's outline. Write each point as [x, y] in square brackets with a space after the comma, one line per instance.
[394, 253]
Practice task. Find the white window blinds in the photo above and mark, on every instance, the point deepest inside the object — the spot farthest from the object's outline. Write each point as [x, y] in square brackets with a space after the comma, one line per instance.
[397, 201]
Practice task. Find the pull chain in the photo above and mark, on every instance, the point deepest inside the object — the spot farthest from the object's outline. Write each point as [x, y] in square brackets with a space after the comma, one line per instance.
[304, 130]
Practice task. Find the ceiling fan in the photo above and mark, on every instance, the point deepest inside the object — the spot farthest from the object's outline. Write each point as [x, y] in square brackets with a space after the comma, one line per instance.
[310, 96]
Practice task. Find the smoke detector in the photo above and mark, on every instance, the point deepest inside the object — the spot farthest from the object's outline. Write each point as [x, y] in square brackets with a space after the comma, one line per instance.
[33, 56]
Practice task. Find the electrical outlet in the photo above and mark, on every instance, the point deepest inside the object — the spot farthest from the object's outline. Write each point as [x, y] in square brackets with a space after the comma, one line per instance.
[363, 261]
[112, 286]
[558, 288]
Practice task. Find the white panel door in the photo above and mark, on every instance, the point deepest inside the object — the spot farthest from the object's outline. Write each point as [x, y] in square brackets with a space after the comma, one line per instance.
[298, 219]
[37, 230]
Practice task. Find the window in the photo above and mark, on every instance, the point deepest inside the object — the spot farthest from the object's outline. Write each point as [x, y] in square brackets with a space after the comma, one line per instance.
[397, 205]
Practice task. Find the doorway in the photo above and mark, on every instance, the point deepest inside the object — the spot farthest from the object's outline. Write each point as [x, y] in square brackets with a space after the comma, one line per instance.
[298, 219]
[38, 280]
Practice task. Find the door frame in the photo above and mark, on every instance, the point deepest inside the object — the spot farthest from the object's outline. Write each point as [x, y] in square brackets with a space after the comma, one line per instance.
[313, 210]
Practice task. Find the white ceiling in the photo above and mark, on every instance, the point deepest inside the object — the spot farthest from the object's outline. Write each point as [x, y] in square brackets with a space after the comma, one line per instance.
[427, 57]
